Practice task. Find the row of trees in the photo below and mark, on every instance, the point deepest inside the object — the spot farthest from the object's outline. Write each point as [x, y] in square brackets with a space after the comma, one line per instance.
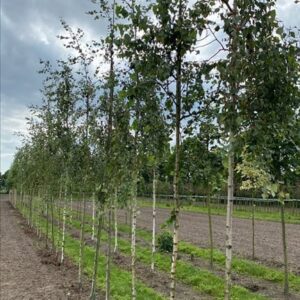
[152, 98]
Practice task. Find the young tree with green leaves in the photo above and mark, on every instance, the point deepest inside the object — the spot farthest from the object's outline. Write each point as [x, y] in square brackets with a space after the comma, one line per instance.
[107, 10]
[251, 28]
[272, 123]
[171, 38]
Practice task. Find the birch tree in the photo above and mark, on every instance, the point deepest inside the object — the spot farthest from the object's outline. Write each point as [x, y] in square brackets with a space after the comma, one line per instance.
[172, 37]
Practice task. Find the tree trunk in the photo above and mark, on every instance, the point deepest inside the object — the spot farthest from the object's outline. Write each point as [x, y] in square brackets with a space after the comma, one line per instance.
[81, 247]
[111, 84]
[40, 212]
[96, 259]
[211, 244]
[37, 216]
[253, 230]
[30, 209]
[47, 223]
[93, 217]
[177, 159]
[108, 254]
[228, 281]
[174, 254]
[71, 206]
[285, 258]
[133, 239]
[52, 223]
[153, 220]
[64, 227]
[59, 239]
[79, 207]
[116, 219]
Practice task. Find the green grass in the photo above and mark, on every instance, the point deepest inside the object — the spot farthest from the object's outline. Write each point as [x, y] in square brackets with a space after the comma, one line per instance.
[201, 280]
[259, 215]
[243, 266]
[240, 266]
[120, 279]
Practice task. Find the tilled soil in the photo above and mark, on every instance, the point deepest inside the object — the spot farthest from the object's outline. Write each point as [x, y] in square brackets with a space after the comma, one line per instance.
[268, 243]
[26, 271]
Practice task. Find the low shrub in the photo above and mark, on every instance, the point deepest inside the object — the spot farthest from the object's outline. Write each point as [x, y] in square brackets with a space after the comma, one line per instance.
[165, 242]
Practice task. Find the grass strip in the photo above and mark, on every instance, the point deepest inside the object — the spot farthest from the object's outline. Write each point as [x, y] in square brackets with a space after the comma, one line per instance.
[120, 279]
[243, 266]
[239, 265]
[201, 280]
[259, 215]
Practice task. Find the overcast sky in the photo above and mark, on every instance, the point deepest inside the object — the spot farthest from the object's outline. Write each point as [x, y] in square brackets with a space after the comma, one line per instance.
[28, 34]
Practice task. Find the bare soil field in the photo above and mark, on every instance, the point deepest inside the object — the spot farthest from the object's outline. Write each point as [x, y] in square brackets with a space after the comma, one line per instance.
[26, 271]
[268, 244]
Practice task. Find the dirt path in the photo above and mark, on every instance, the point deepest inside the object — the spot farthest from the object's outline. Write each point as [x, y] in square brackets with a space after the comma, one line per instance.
[24, 272]
[194, 229]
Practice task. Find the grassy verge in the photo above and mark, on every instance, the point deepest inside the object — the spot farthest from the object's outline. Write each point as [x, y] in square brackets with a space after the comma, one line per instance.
[201, 280]
[240, 266]
[243, 266]
[259, 215]
[120, 279]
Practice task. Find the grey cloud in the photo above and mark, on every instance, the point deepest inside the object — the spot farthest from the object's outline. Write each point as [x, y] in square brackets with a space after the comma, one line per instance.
[28, 33]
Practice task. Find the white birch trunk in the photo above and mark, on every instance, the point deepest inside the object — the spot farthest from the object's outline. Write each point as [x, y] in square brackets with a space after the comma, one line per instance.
[37, 217]
[32, 211]
[228, 281]
[153, 220]
[176, 173]
[108, 253]
[116, 220]
[211, 242]
[71, 206]
[28, 209]
[133, 243]
[284, 245]
[174, 256]
[59, 238]
[93, 217]
[253, 231]
[64, 228]
[40, 211]
[81, 247]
